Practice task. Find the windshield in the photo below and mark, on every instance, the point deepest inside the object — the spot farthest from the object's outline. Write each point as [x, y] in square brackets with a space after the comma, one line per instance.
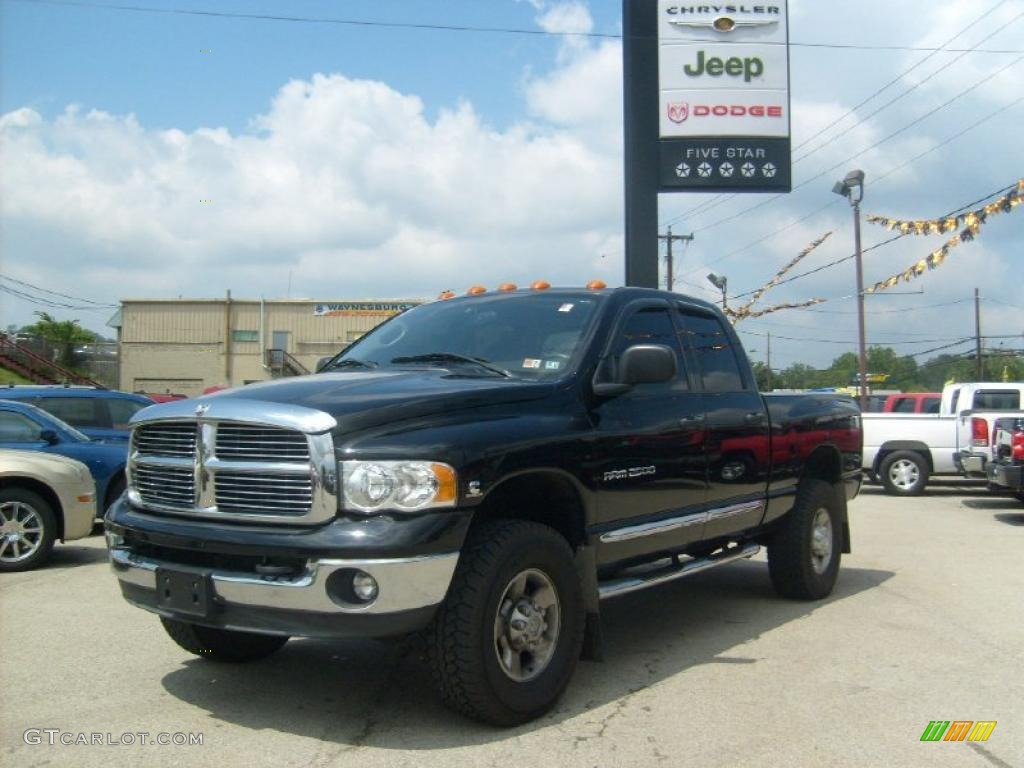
[525, 336]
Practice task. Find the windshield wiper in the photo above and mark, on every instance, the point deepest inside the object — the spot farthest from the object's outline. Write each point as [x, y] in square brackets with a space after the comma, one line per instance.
[350, 362]
[451, 357]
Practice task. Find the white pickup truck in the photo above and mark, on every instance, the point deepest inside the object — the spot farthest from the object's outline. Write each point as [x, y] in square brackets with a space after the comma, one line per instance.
[902, 450]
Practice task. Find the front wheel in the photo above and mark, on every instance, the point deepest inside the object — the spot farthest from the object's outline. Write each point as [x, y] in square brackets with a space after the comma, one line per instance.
[804, 554]
[28, 527]
[222, 644]
[904, 473]
[506, 641]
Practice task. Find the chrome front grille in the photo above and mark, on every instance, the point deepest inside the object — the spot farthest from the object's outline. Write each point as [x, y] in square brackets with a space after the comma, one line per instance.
[280, 494]
[167, 438]
[165, 486]
[243, 442]
[232, 470]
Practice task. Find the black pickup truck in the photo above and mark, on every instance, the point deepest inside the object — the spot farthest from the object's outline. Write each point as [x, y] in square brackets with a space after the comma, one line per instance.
[1006, 469]
[483, 471]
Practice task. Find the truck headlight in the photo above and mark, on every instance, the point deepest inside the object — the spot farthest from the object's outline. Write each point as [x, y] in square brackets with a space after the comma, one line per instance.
[408, 486]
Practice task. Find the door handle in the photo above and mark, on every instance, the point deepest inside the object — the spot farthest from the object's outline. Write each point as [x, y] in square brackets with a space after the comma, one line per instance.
[692, 421]
[754, 417]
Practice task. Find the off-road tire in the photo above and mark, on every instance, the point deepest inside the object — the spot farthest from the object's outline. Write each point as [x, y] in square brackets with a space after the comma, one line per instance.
[790, 553]
[898, 457]
[222, 644]
[48, 520]
[460, 640]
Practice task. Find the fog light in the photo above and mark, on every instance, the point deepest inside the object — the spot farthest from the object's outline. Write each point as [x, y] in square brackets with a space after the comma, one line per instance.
[364, 586]
[114, 540]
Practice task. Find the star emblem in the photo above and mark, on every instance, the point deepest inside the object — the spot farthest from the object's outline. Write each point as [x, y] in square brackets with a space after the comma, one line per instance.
[726, 169]
[768, 169]
[704, 169]
[748, 169]
[682, 170]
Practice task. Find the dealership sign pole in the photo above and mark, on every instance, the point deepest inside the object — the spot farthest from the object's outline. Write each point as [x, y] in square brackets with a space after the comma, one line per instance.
[707, 107]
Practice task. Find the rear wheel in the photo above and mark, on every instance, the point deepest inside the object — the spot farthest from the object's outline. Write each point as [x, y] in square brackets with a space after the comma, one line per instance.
[28, 527]
[222, 644]
[804, 554]
[506, 640]
[904, 473]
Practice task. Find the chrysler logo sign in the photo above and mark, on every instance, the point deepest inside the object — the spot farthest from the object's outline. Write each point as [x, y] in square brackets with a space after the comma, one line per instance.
[722, 23]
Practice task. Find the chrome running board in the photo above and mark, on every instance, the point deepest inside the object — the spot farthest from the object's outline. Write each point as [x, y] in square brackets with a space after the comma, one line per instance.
[625, 584]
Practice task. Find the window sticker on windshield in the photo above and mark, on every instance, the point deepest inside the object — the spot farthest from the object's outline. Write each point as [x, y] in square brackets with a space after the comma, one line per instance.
[553, 365]
[531, 363]
[565, 308]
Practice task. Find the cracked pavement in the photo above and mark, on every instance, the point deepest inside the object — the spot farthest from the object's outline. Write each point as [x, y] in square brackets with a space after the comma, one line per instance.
[713, 670]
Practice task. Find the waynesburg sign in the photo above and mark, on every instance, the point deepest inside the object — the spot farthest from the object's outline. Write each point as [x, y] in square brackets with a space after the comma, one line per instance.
[723, 95]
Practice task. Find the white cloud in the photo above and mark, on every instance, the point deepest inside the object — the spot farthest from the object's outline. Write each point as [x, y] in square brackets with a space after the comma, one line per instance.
[566, 18]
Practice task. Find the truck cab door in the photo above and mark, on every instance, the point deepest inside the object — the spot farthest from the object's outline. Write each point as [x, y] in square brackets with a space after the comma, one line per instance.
[647, 456]
[737, 433]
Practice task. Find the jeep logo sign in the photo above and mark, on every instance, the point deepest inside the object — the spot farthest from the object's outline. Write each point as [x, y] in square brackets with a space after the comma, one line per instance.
[750, 67]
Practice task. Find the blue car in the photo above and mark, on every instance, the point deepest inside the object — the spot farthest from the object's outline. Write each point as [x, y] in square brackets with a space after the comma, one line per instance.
[28, 428]
[102, 414]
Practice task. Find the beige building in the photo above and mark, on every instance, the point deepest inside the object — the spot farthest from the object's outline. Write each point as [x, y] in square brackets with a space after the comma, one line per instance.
[187, 345]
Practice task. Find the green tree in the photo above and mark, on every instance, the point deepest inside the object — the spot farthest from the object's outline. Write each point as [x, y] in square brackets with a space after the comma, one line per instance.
[63, 334]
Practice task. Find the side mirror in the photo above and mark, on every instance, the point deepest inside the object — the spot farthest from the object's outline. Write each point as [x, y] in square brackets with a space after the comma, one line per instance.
[647, 364]
[322, 362]
[640, 364]
[49, 436]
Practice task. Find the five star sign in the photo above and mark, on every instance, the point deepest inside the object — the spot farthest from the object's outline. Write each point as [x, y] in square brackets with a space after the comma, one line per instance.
[726, 169]
[704, 170]
[682, 170]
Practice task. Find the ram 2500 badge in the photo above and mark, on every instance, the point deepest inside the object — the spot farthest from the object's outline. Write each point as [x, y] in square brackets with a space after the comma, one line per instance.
[484, 471]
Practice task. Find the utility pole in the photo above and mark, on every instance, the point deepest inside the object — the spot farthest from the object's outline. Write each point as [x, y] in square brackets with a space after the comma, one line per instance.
[768, 361]
[979, 365]
[668, 238]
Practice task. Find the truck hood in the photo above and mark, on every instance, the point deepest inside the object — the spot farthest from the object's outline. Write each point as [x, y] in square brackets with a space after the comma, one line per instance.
[357, 399]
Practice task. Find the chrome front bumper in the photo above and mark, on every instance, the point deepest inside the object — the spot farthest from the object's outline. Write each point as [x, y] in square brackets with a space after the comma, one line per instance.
[405, 584]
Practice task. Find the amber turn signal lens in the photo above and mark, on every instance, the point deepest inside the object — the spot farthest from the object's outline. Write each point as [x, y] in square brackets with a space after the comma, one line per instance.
[476, 290]
[506, 287]
[596, 285]
[446, 485]
[540, 285]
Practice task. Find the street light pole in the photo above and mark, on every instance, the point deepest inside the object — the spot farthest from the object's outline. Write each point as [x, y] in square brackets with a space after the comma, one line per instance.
[862, 354]
[720, 282]
[852, 188]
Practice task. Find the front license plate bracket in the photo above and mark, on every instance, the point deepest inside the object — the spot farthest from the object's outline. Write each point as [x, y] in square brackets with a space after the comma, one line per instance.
[185, 592]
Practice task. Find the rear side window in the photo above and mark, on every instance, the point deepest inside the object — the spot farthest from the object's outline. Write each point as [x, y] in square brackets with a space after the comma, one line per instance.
[76, 411]
[121, 411]
[931, 405]
[996, 400]
[716, 358]
[903, 405]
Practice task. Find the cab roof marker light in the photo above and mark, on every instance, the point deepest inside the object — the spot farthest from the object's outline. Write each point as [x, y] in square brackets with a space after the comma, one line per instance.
[445, 295]
[540, 285]
[507, 287]
[476, 290]
[597, 285]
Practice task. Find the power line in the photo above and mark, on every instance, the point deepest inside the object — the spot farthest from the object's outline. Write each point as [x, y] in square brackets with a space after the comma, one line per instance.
[911, 89]
[56, 293]
[43, 302]
[887, 311]
[420, 26]
[872, 247]
[885, 175]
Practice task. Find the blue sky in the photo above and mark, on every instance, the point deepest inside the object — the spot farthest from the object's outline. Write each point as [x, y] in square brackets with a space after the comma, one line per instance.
[356, 161]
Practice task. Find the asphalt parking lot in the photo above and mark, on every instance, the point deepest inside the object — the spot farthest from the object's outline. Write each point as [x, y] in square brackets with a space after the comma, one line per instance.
[925, 624]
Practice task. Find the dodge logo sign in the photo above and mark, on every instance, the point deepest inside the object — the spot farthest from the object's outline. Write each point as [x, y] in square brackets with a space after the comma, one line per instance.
[678, 111]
